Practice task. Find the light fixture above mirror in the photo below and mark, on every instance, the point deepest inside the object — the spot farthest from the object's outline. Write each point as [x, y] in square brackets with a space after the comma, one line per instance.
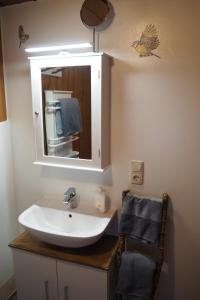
[59, 48]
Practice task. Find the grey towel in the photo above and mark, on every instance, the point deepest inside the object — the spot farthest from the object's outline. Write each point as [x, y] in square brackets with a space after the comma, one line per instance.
[71, 116]
[136, 275]
[141, 218]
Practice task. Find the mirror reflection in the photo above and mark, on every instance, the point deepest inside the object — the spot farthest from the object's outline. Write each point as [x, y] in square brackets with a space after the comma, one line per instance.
[67, 111]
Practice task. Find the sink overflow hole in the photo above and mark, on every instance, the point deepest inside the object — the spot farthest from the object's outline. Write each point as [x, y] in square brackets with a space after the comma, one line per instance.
[70, 216]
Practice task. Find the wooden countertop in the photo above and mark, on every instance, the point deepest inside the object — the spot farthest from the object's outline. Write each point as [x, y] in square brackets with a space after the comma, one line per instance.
[99, 255]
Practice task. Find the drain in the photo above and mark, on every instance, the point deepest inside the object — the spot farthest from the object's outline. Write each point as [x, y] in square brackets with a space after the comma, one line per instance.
[70, 216]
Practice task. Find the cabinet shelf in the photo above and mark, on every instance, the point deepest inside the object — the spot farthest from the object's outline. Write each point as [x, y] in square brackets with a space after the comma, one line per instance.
[99, 255]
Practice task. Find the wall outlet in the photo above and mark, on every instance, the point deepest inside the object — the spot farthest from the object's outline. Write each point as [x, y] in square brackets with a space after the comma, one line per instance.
[137, 178]
[137, 172]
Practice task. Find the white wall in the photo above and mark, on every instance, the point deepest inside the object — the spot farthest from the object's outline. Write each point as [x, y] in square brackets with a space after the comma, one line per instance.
[8, 228]
[155, 116]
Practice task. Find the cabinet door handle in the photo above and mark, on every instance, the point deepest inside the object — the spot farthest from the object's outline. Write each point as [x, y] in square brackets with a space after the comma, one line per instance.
[46, 288]
[66, 292]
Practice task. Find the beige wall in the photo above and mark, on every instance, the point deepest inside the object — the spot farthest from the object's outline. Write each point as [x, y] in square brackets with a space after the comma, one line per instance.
[155, 116]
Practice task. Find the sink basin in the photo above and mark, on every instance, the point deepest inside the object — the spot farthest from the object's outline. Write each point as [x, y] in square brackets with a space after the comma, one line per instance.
[62, 227]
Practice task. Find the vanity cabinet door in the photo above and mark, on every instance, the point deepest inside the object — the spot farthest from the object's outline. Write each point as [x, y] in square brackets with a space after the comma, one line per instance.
[77, 282]
[36, 277]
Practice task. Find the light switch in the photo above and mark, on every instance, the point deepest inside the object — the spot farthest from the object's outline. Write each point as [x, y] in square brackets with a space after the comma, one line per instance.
[137, 166]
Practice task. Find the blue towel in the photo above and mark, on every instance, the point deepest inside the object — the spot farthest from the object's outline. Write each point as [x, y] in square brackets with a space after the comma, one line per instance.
[136, 274]
[70, 116]
[141, 218]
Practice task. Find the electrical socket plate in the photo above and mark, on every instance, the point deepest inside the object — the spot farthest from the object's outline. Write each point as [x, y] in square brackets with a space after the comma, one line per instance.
[137, 178]
[137, 172]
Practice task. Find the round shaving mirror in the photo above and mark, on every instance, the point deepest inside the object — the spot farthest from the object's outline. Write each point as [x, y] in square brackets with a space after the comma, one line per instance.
[97, 14]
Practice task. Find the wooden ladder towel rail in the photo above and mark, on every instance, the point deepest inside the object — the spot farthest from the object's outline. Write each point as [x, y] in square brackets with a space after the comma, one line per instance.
[158, 256]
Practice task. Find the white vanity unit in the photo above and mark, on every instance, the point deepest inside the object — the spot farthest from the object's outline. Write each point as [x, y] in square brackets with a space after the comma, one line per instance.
[45, 272]
[73, 130]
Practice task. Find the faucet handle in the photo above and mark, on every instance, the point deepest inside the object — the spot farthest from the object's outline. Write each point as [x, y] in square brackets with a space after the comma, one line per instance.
[71, 197]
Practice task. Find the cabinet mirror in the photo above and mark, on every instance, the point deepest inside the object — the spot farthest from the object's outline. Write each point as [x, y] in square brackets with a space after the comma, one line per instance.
[66, 104]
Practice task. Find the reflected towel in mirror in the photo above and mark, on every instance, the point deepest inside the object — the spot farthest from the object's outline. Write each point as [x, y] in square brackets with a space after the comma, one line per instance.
[70, 116]
[58, 119]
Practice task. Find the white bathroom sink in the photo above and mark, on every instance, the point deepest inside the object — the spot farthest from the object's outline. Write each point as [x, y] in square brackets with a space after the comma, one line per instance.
[62, 227]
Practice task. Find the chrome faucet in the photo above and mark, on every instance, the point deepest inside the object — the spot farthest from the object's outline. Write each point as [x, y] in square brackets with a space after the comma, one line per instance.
[70, 197]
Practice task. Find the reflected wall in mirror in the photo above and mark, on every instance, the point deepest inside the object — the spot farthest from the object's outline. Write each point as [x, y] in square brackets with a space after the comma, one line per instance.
[66, 103]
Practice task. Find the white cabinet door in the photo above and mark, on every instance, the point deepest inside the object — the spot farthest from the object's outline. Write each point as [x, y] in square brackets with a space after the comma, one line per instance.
[76, 282]
[36, 277]
[100, 65]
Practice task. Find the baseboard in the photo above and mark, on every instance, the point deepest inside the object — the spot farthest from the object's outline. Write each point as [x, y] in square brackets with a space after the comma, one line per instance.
[7, 289]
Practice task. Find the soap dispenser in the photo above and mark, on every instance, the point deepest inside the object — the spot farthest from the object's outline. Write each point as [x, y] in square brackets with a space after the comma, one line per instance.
[100, 200]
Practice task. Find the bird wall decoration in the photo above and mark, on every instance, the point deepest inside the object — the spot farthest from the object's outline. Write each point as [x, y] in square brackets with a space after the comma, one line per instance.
[148, 41]
[23, 37]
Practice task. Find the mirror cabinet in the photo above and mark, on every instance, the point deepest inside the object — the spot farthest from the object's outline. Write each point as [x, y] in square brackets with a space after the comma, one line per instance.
[71, 110]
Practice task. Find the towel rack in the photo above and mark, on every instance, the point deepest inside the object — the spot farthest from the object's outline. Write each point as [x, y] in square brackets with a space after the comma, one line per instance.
[156, 252]
[52, 109]
[63, 143]
[52, 102]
